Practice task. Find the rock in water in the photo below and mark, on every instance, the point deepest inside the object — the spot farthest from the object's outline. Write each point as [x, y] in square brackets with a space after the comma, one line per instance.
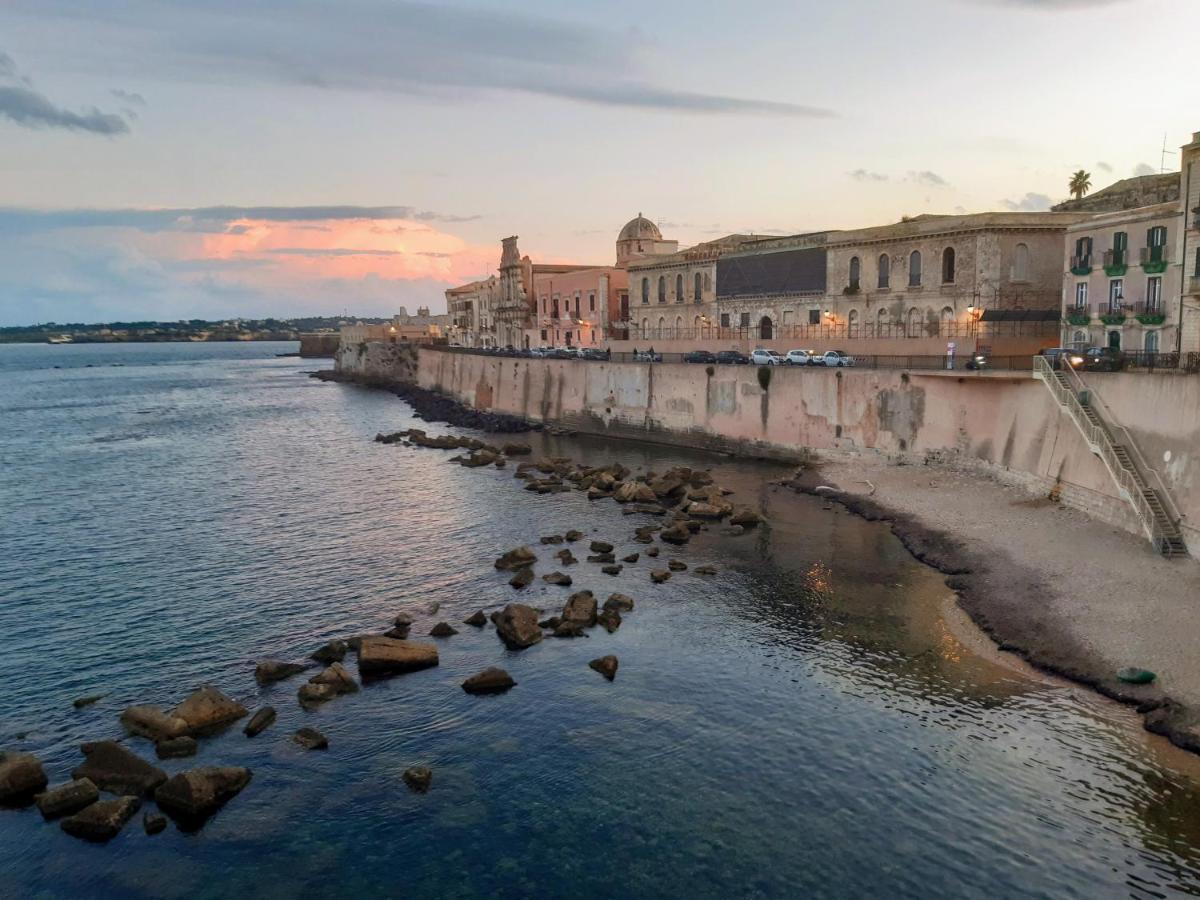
[81, 702]
[21, 777]
[745, 517]
[676, 534]
[114, 769]
[653, 551]
[658, 576]
[151, 722]
[705, 570]
[418, 779]
[611, 570]
[522, 579]
[602, 558]
[311, 739]
[269, 670]
[334, 651]
[619, 602]
[733, 531]
[606, 666]
[336, 677]
[573, 535]
[600, 547]
[610, 619]
[631, 558]
[517, 625]
[385, 656]
[311, 694]
[580, 607]
[102, 821]
[551, 539]
[518, 558]
[176, 748]
[67, 798]
[192, 796]
[208, 708]
[489, 681]
[569, 630]
[557, 578]
[442, 629]
[154, 823]
[478, 619]
[260, 721]
[676, 565]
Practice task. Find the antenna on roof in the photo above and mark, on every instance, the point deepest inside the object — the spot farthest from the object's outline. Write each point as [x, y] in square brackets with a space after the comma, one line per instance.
[1162, 165]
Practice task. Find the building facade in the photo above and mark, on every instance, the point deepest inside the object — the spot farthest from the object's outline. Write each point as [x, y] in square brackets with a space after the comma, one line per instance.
[1189, 247]
[470, 310]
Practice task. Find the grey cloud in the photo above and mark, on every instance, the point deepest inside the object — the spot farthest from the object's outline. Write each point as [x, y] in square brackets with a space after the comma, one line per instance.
[131, 97]
[1144, 169]
[929, 179]
[405, 47]
[1104, 166]
[1031, 202]
[22, 104]
[864, 175]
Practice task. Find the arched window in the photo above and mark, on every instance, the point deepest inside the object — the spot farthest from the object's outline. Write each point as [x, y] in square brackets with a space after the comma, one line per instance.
[662, 324]
[1020, 270]
[852, 323]
[885, 271]
[1079, 339]
[645, 326]
[882, 317]
[1151, 341]
[707, 281]
[662, 288]
[645, 290]
[914, 322]
[948, 266]
[678, 326]
[914, 269]
[855, 272]
[697, 294]
[679, 288]
[696, 326]
[765, 328]
[947, 314]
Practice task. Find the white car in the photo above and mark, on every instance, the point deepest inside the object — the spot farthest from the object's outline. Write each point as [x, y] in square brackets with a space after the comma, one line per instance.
[799, 358]
[761, 357]
[834, 358]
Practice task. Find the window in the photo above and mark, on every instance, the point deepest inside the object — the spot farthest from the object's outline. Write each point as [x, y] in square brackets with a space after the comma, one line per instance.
[554, 306]
[1083, 252]
[814, 317]
[787, 317]
[885, 271]
[744, 320]
[543, 335]
[766, 328]
[1116, 293]
[545, 306]
[1079, 339]
[591, 302]
[1021, 263]
[577, 304]
[1157, 236]
[948, 266]
[568, 336]
[1154, 294]
[852, 319]
[914, 322]
[645, 326]
[662, 288]
[1151, 342]
[678, 326]
[882, 317]
[645, 290]
[724, 320]
[1081, 294]
[662, 323]
[697, 295]
[914, 269]
[947, 315]
[855, 267]
[1120, 248]
[679, 288]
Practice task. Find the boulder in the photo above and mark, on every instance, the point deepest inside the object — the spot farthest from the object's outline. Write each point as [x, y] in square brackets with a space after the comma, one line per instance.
[81, 702]
[517, 449]
[208, 708]
[517, 625]
[649, 509]
[103, 820]
[668, 486]
[385, 656]
[606, 666]
[397, 632]
[153, 723]
[522, 579]
[596, 493]
[551, 539]
[334, 651]
[676, 565]
[631, 558]
[67, 798]
[115, 769]
[600, 547]
[602, 558]
[478, 619]
[573, 535]
[154, 823]
[403, 620]
[271, 670]
[443, 629]
[658, 576]
[192, 796]
[745, 517]
[705, 570]
[644, 539]
[518, 558]
[610, 619]
[676, 534]
[489, 681]
[612, 570]
[336, 677]
[706, 511]
[633, 492]
[550, 622]
[557, 578]
[176, 748]
[259, 722]
[418, 779]
[619, 602]
[566, 557]
[653, 551]
[580, 607]
[310, 739]
[569, 630]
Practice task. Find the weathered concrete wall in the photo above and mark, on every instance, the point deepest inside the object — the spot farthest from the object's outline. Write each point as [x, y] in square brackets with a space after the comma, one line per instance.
[376, 362]
[319, 345]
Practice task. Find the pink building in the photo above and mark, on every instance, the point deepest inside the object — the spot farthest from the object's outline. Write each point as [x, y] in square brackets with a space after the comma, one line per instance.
[575, 309]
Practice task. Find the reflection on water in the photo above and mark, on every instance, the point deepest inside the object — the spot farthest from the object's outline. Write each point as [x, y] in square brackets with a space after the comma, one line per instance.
[806, 722]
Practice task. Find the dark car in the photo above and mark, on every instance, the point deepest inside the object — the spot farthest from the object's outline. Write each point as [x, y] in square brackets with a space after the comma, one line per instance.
[732, 358]
[1056, 355]
[1103, 359]
[593, 353]
[699, 356]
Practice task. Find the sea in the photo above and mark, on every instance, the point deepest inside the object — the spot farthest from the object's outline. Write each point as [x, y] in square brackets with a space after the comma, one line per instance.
[818, 719]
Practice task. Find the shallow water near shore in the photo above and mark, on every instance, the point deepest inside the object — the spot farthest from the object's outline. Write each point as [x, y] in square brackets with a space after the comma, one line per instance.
[807, 722]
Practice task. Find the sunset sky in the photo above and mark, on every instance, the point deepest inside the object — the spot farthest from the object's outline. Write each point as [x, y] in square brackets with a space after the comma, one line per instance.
[172, 159]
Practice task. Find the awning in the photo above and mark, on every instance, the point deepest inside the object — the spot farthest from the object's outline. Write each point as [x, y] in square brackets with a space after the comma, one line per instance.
[1022, 315]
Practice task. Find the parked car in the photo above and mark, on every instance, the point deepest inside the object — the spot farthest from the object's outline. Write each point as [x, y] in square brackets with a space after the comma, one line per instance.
[647, 356]
[1103, 359]
[559, 353]
[700, 356]
[1056, 355]
[732, 358]
[593, 353]
[763, 357]
[833, 358]
[800, 357]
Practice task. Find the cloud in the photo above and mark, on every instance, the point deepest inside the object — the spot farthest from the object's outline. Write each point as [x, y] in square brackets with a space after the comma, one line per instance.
[928, 179]
[1103, 166]
[22, 104]
[1052, 5]
[1031, 202]
[129, 97]
[1144, 169]
[864, 175]
[332, 251]
[429, 49]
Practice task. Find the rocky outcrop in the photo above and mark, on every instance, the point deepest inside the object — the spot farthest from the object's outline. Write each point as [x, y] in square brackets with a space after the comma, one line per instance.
[489, 681]
[153, 723]
[443, 629]
[113, 768]
[580, 607]
[191, 797]
[517, 558]
[606, 666]
[522, 579]
[418, 778]
[386, 656]
[67, 799]
[310, 739]
[259, 722]
[176, 748]
[478, 619]
[271, 670]
[207, 708]
[517, 625]
[745, 517]
[338, 678]
[676, 534]
[334, 651]
[102, 821]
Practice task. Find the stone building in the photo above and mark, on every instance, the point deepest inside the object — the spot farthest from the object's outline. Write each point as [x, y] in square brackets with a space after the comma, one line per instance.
[470, 309]
[1189, 247]
[641, 238]
[575, 309]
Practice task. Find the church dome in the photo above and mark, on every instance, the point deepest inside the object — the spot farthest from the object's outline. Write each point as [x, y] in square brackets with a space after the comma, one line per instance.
[640, 229]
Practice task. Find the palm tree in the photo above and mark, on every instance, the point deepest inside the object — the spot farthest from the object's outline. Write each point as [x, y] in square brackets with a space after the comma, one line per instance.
[1081, 183]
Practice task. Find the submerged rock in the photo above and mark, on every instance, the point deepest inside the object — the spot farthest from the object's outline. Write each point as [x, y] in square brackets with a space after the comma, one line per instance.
[733, 531]
[260, 721]
[552, 539]
[658, 576]
[620, 602]
[610, 619]
[569, 630]
[334, 651]
[81, 702]
[676, 534]
[522, 579]
[208, 708]
[550, 622]
[489, 681]
[518, 558]
[566, 557]
[310, 739]
[676, 565]
[442, 629]
[113, 768]
[517, 625]
[653, 551]
[272, 670]
[152, 722]
[385, 656]
[557, 578]
[608, 558]
[631, 558]
[337, 677]
[176, 748]
[67, 798]
[191, 797]
[418, 778]
[312, 694]
[612, 570]
[103, 820]
[580, 607]
[478, 619]
[705, 570]
[154, 823]
[606, 666]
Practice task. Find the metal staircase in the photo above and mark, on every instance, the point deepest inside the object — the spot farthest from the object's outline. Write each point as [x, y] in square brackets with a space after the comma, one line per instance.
[1117, 450]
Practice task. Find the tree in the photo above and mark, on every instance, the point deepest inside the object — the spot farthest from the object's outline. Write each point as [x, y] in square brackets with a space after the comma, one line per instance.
[1081, 183]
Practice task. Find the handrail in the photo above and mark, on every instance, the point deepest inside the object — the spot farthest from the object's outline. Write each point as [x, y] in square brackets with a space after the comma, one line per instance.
[1100, 440]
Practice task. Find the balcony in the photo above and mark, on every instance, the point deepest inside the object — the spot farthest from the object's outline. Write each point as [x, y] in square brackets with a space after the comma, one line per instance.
[1081, 265]
[1079, 316]
[1154, 260]
[1151, 313]
[1116, 262]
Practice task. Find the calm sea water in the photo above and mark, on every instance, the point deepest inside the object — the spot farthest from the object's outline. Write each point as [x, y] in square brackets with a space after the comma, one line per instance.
[807, 723]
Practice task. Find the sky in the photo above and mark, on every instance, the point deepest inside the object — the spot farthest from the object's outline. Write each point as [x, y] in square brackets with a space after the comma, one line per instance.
[168, 159]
